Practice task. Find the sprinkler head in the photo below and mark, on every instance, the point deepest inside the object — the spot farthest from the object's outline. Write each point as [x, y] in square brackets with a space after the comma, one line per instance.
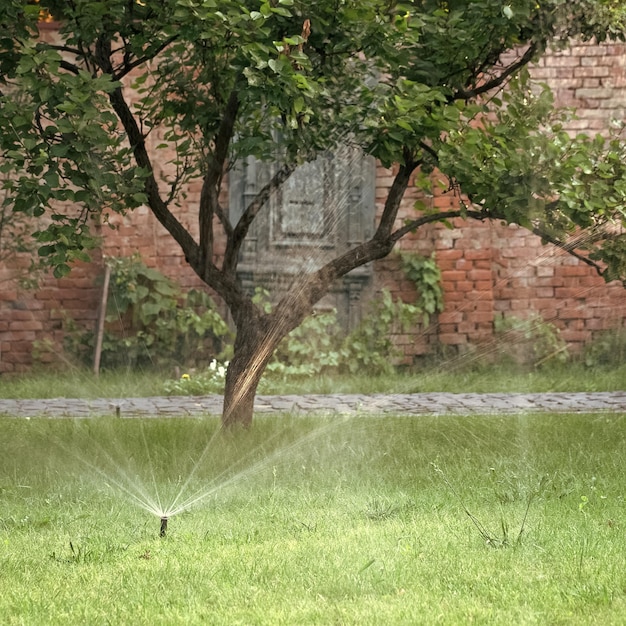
[163, 530]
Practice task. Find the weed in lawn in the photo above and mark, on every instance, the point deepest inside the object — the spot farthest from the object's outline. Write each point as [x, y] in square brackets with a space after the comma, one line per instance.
[492, 539]
[383, 508]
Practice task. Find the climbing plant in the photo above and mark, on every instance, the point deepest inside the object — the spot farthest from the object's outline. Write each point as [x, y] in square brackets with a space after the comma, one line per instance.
[151, 321]
[426, 276]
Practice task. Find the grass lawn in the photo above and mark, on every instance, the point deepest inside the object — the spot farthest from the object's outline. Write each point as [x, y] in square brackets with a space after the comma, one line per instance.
[73, 382]
[394, 520]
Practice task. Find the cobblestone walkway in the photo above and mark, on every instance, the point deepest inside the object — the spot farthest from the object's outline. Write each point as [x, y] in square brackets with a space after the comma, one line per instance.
[341, 404]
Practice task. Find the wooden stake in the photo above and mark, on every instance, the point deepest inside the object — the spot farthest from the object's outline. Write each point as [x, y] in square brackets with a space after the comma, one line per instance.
[102, 311]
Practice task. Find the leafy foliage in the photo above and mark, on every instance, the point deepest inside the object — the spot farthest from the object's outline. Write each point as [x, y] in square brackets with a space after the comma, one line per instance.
[319, 346]
[15, 239]
[607, 350]
[370, 344]
[426, 275]
[530, 341]
[150, 322]
[206, 381]
[406, 81]
[314, 347]
[549, 182]
[417, 85]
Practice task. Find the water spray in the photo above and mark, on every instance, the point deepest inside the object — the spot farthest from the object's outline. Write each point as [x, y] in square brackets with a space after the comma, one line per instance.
[163, 530]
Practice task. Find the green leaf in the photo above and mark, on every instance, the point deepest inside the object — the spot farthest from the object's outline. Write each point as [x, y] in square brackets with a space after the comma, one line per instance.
[61, 270]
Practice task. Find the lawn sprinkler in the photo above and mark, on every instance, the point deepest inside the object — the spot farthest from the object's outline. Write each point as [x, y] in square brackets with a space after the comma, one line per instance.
[163, 530]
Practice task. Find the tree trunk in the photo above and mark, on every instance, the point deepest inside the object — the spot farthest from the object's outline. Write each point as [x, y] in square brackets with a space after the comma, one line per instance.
[258, 336]
[252, 351]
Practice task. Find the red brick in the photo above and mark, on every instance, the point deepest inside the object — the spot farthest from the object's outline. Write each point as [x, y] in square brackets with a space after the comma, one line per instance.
[484, 303]
[479, 275]
[480, 317]
[568, 313]
[20, 315]
[520, 305]
[498, 269]
[15, 336]
[564, 61]
[576, 270]
[23, 325]
[575, 336]
[8, 295]
[483, 286]
[467, 328]
[445, 329]
[453, 275]
[464, 285]
[478, 254]
[596, 324]
[544, 270]
[591, 71]
[452, 339]
[451, 295]
[445, 265]
[544, 292]
[450, 317]
[566, 292]
[17, 357]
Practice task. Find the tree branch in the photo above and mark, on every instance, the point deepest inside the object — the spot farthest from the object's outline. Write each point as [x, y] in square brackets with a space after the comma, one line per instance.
[77, 52]
[570, 248]
[128, 66]
[223, 138]
[209, 195]
[525, 59]
[138, 146]
[394, 197]
[208, 200]
[222, 216]
[429, 219]
[315, 285]
[429, 150]
[239, 233]
[70, 67]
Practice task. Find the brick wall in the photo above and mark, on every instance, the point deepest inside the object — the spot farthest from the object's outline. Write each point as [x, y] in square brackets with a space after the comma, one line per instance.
[487, 269]
[491, 270]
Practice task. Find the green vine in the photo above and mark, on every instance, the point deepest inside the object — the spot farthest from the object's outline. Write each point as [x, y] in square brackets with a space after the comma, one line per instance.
[318, 345]
[150, 321]
[426, 275]
[535, 341]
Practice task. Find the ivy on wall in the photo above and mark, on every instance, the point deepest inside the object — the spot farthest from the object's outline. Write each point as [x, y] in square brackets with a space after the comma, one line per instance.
[151, 322]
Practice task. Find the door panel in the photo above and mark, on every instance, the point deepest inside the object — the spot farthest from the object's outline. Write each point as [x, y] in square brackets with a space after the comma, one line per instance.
[322, 210]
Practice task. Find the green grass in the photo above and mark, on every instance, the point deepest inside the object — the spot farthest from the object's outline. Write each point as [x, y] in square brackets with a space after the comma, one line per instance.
[80, 383]
[484, 379]
[324, 522]
[74, 382]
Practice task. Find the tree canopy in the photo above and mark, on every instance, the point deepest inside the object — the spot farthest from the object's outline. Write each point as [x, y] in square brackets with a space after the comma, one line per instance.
[418, 85]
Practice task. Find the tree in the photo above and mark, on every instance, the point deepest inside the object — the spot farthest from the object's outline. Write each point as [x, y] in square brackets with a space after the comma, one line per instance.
[14, 239]
[418, 85]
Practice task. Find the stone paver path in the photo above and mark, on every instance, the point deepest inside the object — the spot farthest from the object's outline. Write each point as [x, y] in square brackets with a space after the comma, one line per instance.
[341, 404]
